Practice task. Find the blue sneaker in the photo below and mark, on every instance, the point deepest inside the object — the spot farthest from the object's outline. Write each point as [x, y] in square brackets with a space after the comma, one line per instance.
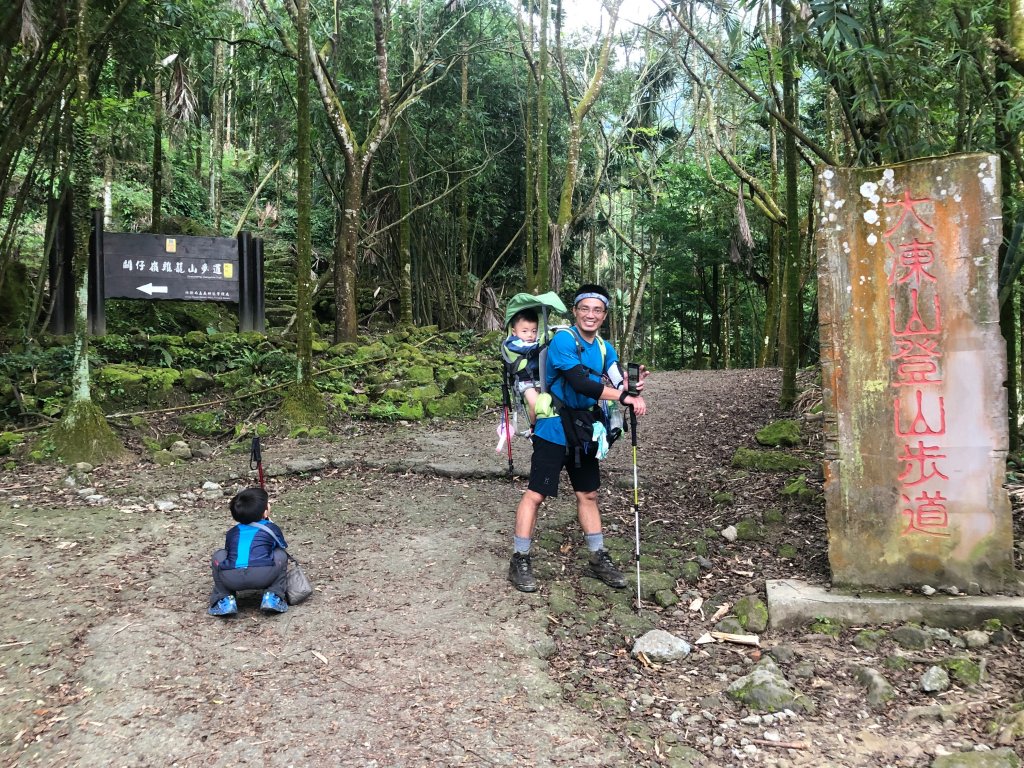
[226, 606]
[273, 604]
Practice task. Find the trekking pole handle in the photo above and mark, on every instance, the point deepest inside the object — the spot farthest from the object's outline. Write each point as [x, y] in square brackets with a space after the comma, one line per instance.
[632, 425]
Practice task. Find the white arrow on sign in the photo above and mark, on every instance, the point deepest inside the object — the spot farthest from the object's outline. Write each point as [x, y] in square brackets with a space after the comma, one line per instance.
[150, 289]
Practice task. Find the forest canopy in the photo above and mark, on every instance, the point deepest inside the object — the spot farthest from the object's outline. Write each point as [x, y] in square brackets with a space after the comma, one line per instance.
[459, 152]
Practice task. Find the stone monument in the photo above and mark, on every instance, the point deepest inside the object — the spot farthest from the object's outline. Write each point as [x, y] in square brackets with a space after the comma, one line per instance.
[913, 366]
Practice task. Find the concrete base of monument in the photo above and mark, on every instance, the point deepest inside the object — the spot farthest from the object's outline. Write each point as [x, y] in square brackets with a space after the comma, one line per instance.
[793, 604]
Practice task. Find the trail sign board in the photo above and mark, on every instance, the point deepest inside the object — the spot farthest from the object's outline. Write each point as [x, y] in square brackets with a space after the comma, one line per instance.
[170, 267]
[154, 266]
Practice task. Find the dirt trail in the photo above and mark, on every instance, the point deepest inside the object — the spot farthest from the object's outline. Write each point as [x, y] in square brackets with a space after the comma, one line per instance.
[414, 651]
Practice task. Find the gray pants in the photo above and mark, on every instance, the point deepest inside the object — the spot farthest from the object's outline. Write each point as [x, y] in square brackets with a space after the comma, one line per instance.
[267, 577]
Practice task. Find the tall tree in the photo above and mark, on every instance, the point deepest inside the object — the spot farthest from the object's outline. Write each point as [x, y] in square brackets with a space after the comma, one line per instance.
[82, 433]
[303, 405]
[360, 153]
[790, 299]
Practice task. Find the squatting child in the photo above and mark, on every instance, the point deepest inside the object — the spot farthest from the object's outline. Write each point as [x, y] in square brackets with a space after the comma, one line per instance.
[251, 558]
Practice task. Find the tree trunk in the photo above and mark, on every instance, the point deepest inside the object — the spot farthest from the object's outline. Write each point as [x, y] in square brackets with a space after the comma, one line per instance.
[772, 314]
[405, 225]
[82, 433]
[464, 294]
[108, 191]
[1005, 146]
[158, 150]
[538, 278]
[217, 133]
[345, 311]
[790, 298]
[303, 240]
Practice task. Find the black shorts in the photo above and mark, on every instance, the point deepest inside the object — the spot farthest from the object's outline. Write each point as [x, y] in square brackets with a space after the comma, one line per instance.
[546, 466]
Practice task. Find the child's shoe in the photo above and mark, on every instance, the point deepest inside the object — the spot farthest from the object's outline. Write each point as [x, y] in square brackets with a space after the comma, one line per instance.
[272, 603]
[226, 606]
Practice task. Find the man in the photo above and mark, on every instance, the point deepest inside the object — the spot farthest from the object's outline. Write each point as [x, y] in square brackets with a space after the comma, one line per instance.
[577, 362]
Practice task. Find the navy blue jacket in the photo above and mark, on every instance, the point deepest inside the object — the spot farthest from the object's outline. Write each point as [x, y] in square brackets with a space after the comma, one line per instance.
[250, 546]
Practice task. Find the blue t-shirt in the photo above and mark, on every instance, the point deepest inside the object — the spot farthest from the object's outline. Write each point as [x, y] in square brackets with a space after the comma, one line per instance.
[563, 355]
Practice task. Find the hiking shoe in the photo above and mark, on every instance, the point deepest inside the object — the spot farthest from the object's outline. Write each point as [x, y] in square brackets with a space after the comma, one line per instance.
[600, 566]
[273, 604]
[226, 606]
[520, 573]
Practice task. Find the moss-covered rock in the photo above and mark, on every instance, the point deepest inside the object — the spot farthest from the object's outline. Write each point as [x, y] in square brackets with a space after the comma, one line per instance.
[768, 461]
[451, 406]
[374, 351]
[424, 394]
[47, 388]
[344, 349]
[868, 639]
[411, 411]
[562, 600]
[666, 598]
[722, 497]
[787, 551]
[766, 690]
[125, 382]
[463, 383]
[9, 440]
[752, 613]
[419, 374]
[749, 529]
[797, 488]
[203, 423]
[195, 380]
[784, 433]
[773, 517]
[164, 458]
[689, 572]
[653, 582]
[966, 671]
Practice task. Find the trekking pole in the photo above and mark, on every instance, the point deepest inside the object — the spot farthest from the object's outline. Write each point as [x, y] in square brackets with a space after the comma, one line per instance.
[636, 503]
[507, 402]
[256, 461]
[508, 444]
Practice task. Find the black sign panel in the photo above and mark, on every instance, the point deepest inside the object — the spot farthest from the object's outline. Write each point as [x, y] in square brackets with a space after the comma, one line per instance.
[170, 267]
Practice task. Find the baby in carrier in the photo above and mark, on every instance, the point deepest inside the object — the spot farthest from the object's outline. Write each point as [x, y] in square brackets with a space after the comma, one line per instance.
[523, 344]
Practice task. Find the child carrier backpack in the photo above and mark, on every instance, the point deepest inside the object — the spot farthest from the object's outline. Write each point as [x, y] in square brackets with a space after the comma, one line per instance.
[515, 421]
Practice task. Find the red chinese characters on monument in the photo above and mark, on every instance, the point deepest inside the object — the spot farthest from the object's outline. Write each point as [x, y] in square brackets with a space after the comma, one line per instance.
[919, 410]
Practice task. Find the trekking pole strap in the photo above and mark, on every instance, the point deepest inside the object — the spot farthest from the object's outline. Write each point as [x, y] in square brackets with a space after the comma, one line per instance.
[256, 461]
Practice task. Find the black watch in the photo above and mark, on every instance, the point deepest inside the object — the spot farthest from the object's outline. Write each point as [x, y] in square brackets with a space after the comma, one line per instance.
[623, 396]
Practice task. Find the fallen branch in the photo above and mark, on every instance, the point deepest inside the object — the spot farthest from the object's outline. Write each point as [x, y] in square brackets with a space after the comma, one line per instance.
[782, 744]
[729, 637]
